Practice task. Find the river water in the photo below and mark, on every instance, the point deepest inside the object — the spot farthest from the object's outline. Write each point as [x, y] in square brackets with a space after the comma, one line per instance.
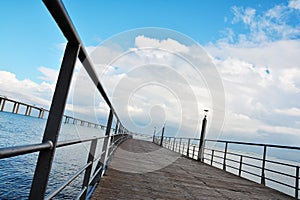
[16, 173]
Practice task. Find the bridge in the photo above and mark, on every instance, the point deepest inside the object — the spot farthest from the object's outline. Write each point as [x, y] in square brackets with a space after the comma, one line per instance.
[162, 168]
[4, 101]
[184, 178]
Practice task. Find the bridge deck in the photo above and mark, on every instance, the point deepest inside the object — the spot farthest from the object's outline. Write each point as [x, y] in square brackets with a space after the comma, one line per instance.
[142, 170]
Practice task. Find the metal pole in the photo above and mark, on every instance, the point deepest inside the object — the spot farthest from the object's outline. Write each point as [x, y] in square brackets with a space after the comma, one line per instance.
[202, 137]
[88, 170]
[188, 148]
[225, 155]
[162, 136]
[212, 157]
[263, 181]
[194, 151]
[44, 163]
[174, 144]
[154, 134]
[297, 182]
[106, 142]
[179, 145]
[117, 126]
[241, 164]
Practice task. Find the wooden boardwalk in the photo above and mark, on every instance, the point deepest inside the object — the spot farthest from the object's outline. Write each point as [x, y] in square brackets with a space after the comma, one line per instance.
[143, 170]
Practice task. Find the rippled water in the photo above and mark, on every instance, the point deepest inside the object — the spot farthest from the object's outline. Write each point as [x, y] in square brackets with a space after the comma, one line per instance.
[16, 173]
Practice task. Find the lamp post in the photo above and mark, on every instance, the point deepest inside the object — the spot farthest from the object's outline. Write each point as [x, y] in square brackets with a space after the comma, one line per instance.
[202, 137]
[162, 135]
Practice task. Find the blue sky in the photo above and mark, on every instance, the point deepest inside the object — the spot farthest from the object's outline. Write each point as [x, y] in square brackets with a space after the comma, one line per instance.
[30, 38]
[254, 45]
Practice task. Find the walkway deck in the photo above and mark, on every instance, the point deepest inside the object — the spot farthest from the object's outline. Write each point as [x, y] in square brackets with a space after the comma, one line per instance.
[142, 170]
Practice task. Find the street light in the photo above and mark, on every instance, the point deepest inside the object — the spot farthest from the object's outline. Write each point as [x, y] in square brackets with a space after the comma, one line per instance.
[162, 135]
[202, 137]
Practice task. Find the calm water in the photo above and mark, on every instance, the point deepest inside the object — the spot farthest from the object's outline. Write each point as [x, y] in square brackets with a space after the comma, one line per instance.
[16, 173]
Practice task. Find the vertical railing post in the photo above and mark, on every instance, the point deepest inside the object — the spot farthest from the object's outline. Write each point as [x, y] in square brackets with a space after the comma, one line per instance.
[167, 142]
[88, 170]
[202, 137]
[241, 164]
[106, 142]
[154, 135]
[179, 145]
[297, 183]
[45, 158]
[225, 155]
[188, 148]
[194, 146]
[174, 144]
[263, 180]
[212, 157]
[116, 130]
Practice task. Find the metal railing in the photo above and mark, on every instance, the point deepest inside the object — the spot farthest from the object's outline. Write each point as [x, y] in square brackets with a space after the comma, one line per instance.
[240, 162]
[49, 144]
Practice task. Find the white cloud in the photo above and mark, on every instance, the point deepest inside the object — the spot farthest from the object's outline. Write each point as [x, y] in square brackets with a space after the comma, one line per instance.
[245, 15]
[259, 80]
[25, 90]
[168, 44]
[49, 75]
[295, 4]
[269, 25]
[260, 73]
[289, 112]
[289, 80]
[280, 130]
[134, 109]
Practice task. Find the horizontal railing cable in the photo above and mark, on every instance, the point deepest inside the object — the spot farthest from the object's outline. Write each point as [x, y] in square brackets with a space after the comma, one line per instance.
[8, 152]
[67, 182]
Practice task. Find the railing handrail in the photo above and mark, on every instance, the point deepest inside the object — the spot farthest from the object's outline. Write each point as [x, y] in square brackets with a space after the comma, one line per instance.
[74, 50]
[7, 152]
[236, 142]
[255, 144]
[64, 22]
